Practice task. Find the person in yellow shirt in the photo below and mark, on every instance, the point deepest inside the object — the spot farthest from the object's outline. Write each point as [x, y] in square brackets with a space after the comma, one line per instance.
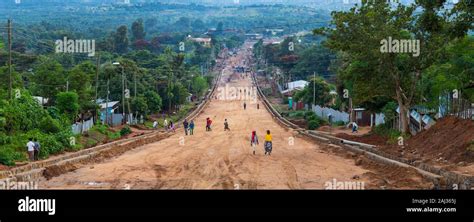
[268, 143]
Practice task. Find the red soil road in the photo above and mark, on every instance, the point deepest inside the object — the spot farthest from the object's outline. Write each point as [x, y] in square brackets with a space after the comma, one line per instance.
[218, 159]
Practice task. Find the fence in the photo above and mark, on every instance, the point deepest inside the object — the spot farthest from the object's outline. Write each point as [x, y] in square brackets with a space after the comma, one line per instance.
[458, 107]
[335, 115]
[83, 126]
[379, 119]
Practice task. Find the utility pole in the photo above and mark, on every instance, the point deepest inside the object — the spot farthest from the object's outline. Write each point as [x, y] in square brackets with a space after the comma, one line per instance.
[10, 95]
[67, 85]
[97, 76]
[314, 88]
[107, 105]
[169, 87]
[123, 89]
[135, 80]
[123, 93]
[97, 83]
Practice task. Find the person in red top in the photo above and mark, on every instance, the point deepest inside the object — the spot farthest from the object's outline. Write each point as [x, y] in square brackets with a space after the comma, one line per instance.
[253, 141]
[208, 124]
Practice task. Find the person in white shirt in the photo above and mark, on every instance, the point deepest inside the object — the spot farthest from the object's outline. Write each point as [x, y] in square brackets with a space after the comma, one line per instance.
[165, 124]
[31, 149]
[355, 127]
[155, 124]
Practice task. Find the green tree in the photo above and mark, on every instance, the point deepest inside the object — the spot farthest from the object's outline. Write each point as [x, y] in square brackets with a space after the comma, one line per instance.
[22, 114]
[153, 101]
[199, 85]
[80, 81]
[139, 105]
[121, 40]
[220, 28]
[313, 59]
[138, 31]
[454, 71]
[318, 87]
[359, 33]
[48, 79]
[68, 104]
[180, 93]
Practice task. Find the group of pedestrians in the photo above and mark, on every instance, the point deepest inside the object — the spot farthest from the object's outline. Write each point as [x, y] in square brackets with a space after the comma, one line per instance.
[245, 106]
[188, 127]
[268, 145]
[33, 147]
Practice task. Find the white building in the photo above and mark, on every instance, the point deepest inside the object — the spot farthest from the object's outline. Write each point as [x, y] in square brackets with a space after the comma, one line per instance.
[294, 86]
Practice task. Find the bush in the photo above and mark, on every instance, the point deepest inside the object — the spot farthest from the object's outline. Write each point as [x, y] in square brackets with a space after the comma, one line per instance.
[49, 145]
[22, 114]
[8, 156]
[68, 104]
[314, 124]
[309, 115]
[386, 131]
[64, 138]
[100, 128]
[312, 118]
[125, 131]
[339, 123]
[471, 146]
[49, 125]
[297, 114]
[4, 139]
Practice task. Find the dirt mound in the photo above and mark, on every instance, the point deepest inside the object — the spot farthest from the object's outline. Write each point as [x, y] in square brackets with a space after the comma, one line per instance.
[372, 139]
[446, 143]
[55, 170]
[449, 138]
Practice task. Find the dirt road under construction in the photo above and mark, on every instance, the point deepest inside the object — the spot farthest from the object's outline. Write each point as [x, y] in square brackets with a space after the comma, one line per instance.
[224, 160]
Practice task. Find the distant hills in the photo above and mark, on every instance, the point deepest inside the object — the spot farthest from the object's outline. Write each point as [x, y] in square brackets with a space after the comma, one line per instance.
[204, 2]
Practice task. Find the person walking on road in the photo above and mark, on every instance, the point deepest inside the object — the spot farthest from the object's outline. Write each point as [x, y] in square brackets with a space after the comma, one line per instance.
[268, 143]
[191, 127]
[185, 126]
[208, 124]
[30, 146]
[165, 124]
[254, 141]
[37, 149]
[258, 105]
[245, 106]
[171, 126]
[226, 125]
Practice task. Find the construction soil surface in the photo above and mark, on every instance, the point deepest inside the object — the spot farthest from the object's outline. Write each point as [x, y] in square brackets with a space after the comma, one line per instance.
[224, 160]
[448, 144]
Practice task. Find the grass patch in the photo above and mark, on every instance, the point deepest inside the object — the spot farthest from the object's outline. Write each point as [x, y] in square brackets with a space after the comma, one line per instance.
[181, 114]
[392, 135]
[470, 148]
